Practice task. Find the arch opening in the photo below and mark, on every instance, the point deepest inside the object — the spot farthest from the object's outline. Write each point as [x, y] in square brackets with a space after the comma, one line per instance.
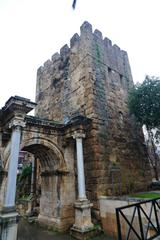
[47, 157]
[56, 183]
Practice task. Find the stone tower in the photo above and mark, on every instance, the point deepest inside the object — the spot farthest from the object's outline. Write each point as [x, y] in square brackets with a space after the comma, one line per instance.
[92, 78]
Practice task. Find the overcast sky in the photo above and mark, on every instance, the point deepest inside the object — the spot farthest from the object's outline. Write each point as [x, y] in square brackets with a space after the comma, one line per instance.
[31, 31]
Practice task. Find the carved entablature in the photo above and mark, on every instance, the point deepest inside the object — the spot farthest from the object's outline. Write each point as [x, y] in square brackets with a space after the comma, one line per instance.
[74, 125]
[77, 126]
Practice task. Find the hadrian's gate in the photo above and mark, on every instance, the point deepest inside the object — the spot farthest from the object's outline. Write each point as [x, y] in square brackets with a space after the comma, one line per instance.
[53, 145]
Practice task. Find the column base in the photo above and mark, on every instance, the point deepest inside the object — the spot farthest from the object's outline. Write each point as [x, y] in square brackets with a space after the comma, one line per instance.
[84, 235]
[83, 227]
[8, 225]
[6, 210]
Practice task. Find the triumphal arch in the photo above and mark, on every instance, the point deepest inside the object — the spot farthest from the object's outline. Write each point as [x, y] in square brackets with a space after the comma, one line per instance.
[87, 143]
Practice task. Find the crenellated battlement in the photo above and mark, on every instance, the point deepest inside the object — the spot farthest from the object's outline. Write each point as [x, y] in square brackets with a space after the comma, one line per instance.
[74, 40]
[88, 53]
[108, 54]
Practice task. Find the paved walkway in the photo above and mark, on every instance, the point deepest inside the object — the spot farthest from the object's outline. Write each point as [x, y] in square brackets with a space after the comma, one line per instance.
[28, 231]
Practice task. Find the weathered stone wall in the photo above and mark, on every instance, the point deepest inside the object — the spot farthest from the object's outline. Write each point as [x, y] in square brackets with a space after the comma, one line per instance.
[92, 78]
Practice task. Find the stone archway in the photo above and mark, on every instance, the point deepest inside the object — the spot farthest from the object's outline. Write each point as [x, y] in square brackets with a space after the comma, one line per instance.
[56, 209]
[53, 143]
[47, 151]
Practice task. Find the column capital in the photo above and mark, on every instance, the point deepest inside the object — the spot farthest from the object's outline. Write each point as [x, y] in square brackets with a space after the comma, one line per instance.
[17, 123]
[78, 135]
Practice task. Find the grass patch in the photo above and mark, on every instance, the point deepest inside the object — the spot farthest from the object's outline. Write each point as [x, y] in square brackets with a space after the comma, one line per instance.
[149, 195]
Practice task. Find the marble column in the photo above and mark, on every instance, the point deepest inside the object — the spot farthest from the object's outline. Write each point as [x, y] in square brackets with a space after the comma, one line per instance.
[8, 215]
[83, 227]
[13, 165]
[80, 167]
[29, 211]
[32, 176]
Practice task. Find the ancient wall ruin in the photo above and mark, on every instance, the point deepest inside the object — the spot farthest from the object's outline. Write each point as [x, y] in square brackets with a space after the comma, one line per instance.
[92, 78]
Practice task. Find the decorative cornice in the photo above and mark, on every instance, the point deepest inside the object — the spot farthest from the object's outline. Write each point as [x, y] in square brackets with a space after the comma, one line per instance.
[19, 102]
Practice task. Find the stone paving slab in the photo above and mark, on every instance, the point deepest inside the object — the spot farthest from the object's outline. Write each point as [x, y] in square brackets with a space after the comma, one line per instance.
[28, 231]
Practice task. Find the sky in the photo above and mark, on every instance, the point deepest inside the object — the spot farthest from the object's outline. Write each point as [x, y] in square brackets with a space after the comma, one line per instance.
[31, 31]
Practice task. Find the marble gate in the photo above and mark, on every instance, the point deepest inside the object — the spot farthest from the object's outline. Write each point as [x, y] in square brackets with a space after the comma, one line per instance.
[55, 145]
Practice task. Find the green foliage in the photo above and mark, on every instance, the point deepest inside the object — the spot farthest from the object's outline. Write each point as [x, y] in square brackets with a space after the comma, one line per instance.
[98, 52]
[149, 195]
[24, 183]
[27, 170]
[144, 102]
